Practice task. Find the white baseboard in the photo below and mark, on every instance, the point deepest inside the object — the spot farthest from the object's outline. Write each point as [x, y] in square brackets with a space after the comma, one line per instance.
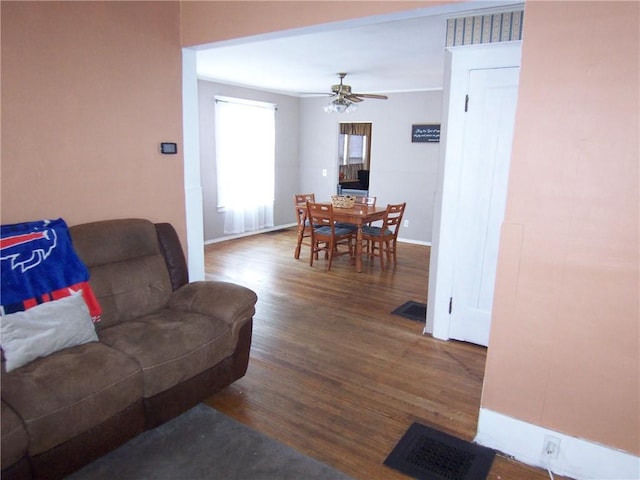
[289, 225]
[415, 242]
[248, 234]
[577, 458]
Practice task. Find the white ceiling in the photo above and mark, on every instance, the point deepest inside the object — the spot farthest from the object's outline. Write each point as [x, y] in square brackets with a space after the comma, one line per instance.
[393, 53]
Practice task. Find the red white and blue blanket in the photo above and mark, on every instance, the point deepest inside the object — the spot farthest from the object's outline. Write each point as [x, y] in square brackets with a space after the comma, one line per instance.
[38, 264]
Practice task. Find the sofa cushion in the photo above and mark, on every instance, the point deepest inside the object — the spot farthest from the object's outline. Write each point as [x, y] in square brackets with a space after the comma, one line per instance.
[127, 270]
[45, 329]
[71, 391]
[14, 437]
[171, 346]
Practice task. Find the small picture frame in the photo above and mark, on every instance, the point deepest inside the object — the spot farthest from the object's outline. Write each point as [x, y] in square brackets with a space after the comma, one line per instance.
[425, 133]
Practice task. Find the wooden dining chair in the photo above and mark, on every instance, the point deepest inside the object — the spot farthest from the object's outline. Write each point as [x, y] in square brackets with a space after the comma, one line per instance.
[304, 227]
[363, 200]
[326, 236]
[382, 240]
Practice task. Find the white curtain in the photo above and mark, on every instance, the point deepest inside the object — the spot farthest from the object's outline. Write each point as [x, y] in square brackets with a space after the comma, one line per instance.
[245, 163]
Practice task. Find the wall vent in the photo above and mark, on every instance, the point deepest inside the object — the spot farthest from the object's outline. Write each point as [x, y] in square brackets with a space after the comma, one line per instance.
[498, 27]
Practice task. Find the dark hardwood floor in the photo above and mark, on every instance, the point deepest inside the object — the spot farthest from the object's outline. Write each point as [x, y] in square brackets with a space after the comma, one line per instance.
[332, 372]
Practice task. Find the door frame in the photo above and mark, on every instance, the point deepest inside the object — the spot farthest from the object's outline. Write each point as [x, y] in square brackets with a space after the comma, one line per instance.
[458, 62]
[192, 183]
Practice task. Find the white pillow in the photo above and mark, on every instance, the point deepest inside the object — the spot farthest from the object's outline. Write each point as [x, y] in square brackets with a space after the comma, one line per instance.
[45, 329]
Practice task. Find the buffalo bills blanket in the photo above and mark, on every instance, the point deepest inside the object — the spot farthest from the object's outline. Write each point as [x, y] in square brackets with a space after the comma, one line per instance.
[38, 264]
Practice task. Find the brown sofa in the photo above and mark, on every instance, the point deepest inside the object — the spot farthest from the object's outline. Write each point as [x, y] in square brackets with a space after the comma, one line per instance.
[164, 345]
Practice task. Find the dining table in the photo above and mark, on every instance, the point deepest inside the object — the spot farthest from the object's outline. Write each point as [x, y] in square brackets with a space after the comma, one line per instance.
[359, 215]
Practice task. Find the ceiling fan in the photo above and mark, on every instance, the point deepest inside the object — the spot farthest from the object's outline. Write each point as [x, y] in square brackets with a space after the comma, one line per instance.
[344, 91]
[345, 98]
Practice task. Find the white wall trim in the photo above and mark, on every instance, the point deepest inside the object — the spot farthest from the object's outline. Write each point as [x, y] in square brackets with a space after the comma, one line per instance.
[289, 225]
[192, 185]
[248, 234]
[414, 242]
[577, 458]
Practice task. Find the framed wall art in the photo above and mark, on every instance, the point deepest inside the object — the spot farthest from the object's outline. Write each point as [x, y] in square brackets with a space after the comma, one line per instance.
[425, 133]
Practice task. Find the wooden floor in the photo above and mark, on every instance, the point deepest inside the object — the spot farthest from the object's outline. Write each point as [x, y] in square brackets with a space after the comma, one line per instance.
[332, 373]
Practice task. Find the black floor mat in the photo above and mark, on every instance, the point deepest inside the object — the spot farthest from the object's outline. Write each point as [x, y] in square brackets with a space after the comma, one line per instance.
[428, 454]
[413, 311]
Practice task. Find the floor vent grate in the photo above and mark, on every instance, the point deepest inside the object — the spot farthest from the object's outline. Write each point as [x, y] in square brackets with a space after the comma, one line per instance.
[428, 454]
[413, 311]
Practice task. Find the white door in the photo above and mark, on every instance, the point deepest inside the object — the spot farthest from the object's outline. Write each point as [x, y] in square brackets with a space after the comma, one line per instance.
[488, 133]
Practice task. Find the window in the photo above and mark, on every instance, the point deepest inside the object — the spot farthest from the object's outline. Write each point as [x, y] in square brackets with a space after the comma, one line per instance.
[245, 163]
[353, 149]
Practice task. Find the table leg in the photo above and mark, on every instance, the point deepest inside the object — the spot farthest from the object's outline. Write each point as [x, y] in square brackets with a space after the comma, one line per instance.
[359, 249]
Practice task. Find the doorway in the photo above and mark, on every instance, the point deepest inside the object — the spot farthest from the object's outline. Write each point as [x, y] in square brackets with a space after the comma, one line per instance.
[193, 188]
[354, 157]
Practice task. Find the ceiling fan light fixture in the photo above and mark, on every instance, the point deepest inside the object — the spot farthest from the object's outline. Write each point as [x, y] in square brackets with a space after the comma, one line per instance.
[340, 105]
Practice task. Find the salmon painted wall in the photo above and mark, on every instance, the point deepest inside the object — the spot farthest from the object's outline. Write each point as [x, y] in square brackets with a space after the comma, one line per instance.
[207, 22]
[564, 351]
[89, 90]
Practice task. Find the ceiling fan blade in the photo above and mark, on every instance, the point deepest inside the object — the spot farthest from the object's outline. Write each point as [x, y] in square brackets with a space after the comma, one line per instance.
[318, 94]
[343, 91]
[371, 95]
[353, 98]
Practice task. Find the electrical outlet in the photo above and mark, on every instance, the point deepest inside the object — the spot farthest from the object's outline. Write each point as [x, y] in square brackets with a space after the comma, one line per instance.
[551, 447]
[405, 224]
[324, 172]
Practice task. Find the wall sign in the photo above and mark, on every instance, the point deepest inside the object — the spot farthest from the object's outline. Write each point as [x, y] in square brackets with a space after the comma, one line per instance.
[425, 133]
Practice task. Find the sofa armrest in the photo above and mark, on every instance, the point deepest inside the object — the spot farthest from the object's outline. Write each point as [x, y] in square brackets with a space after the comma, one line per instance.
[227, 301]
[173, 254]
